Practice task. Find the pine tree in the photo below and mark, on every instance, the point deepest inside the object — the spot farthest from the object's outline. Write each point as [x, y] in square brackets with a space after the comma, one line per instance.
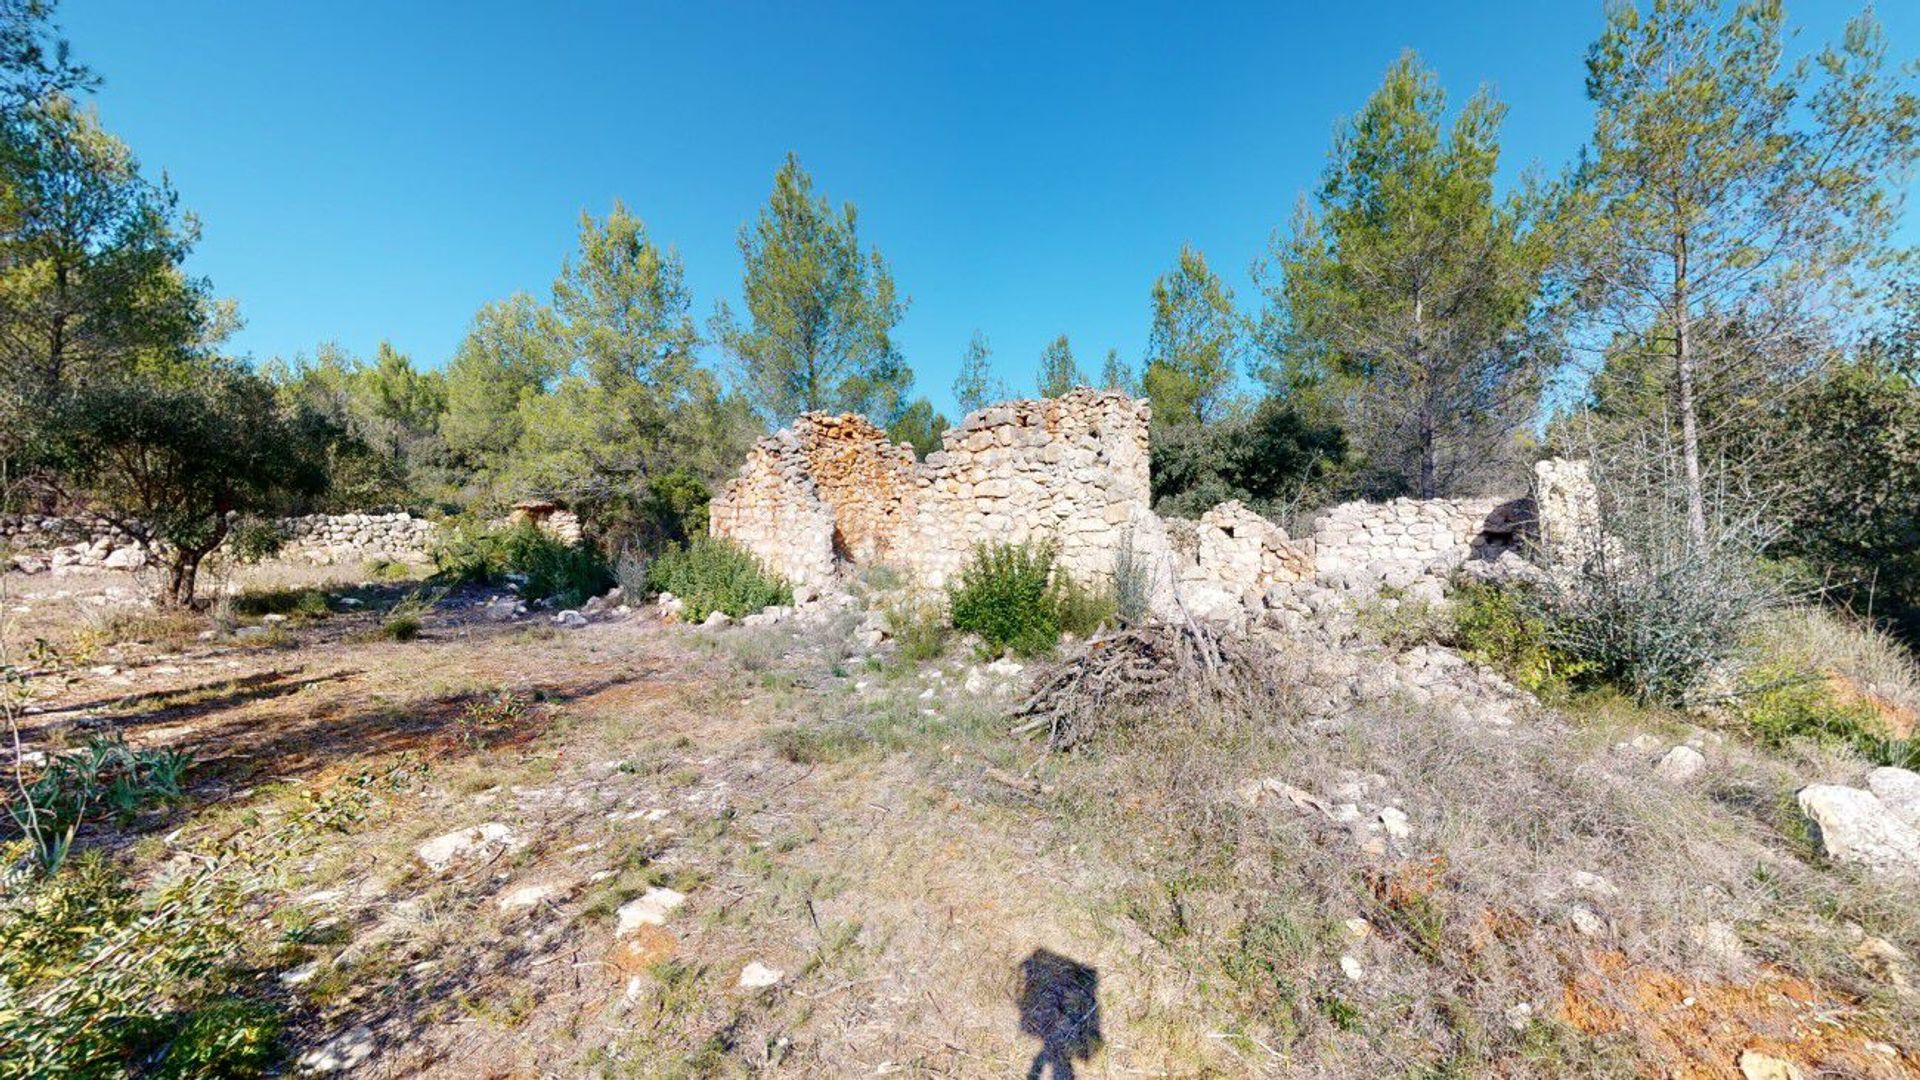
[1406, 294]
[1742, 203]
[819, 311]
[976, 387]
[1194, 345]
[1058, 372]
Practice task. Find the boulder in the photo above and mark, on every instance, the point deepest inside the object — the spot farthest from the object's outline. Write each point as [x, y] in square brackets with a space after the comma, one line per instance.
[1853, 826]
[1899, 791]
[441, 851]
[1681, 765]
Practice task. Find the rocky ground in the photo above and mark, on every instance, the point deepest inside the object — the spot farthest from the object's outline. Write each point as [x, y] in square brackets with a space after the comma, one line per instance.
[611, 844]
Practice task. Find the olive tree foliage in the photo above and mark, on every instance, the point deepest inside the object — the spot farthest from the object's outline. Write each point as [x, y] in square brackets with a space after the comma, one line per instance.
[976, 387]
[1406, 296]
[1195, 345]
[174, 455]
[1058, 372]
[1740, 207]
[819, 311]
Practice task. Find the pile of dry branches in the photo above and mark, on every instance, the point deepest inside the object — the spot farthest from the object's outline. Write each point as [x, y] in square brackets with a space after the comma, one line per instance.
[1154, 668]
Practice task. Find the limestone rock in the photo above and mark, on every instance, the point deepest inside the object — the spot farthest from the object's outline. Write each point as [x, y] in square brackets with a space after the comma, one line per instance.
[757, 975]
[1681, 765]
[651, 908]
[1899, 791]
[1853, 826]
[441, 851]
[342, 1053]
[1757, 1066]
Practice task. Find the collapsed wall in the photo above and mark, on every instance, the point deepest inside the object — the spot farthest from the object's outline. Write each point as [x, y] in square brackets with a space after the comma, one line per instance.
[832, 494]
[832, 491]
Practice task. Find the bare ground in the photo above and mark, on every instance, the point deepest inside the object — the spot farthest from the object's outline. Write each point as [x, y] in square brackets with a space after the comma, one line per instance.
[938, 897]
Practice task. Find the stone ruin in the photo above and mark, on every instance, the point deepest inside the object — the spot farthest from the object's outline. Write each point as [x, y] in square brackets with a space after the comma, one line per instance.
[830, 495]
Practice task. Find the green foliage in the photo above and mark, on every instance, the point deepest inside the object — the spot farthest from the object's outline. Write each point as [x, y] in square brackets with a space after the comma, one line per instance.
[254, 540]
[918, 626]
[389, 450]
[1736, 202]
[99, 980]
[1273, 459]
[1132, 582]
[1506, 630]
[1195, 345]
[712, 575]
[170, 456]
[1085, 609]
[919, 427]
[975, 387]
[820, 310]
[1785, 703]
[1058, 371]
[1117, 374]
[1406, 295]
[103, 776]
[546, 566]
[310, 603]
[1854, 496]
[1009, 596]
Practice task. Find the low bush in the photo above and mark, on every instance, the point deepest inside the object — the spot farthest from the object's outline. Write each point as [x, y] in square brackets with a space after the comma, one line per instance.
[1506, 630]
[546, 566]
[1085, 609]
[104, 776]
[97, 979]
[1008, 594]
[308, 603]
[918, 626]
[1785, 704]
[712, 575]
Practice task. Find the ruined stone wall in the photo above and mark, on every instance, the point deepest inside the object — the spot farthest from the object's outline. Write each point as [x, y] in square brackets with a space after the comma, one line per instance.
[35, 543]
[1361, 546]
[832, 490]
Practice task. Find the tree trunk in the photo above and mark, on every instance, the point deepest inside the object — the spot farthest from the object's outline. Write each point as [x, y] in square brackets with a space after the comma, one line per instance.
[1683, 359]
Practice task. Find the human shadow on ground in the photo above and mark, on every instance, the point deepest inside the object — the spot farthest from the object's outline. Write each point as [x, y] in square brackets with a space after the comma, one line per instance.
[1060, 1006]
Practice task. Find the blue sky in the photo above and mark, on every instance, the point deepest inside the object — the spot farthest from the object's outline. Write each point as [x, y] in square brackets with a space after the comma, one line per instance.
[369, 171]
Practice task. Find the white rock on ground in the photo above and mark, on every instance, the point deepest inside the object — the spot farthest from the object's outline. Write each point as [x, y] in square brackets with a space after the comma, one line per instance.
[342, 1053]
[1682, 765]
[570, 619]
[1757, 1066]
[527, 896]
[1853, 826]
[757, 975]
[1899, 791]
[651, 908]
[440, 852]
[717, 619]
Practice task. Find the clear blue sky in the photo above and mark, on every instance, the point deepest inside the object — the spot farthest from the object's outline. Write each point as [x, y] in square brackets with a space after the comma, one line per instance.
[379, 170]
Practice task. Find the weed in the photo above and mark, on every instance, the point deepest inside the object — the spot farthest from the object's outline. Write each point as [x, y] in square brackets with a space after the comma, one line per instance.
[711, 575]
[918, 626]
[104, 774]
[1008, 595]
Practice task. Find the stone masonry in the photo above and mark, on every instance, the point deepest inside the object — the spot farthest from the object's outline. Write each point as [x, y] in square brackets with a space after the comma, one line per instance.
[831, 493]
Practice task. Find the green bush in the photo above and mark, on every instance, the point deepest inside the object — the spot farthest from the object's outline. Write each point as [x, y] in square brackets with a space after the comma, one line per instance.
[97, 979]
[103, 776]
[1786, 704]
[918, 626]
[254, 540]
[716, 575]
[1084, 609]
[1009, 596]
[309, 603]
[548, 566]
[1505, 630]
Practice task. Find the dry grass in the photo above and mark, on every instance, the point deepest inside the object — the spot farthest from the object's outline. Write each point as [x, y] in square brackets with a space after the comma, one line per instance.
[877, 834]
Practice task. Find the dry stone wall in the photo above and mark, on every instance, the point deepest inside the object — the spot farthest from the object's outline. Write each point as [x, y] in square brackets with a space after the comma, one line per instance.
[1362, 546]
[831, 493]
[34, 543]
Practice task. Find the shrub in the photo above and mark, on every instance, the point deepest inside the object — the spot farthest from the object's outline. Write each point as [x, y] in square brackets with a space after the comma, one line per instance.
[1786, 704]
[919, 626]
[1083, 608]
[104, 774]
[310, 603]
[712, 575]
[1507, 631]
[99, 980]
[548, 566]
[1008, 595]
[254, 540]
[1132, 582]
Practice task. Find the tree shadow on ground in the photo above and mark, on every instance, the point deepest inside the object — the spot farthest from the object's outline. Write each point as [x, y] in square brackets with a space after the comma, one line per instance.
[1060, 1006]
